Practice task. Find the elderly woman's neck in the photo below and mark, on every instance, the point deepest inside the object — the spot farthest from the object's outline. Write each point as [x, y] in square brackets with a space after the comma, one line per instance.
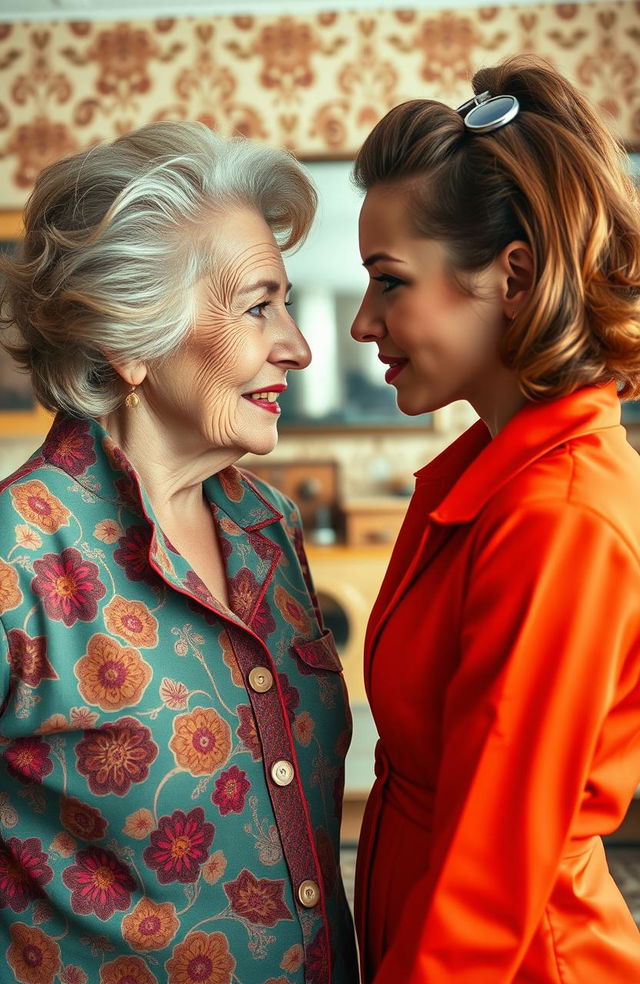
[172, 461]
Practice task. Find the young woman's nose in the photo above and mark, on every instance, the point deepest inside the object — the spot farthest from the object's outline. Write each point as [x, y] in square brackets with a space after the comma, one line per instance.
[367, 325]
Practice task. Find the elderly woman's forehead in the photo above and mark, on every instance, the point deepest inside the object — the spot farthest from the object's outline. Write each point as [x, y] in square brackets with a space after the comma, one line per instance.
[236, 272]
[242, 228]
[234, 247]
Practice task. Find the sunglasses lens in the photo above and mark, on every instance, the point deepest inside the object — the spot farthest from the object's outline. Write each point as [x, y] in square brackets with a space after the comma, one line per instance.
[498, 110]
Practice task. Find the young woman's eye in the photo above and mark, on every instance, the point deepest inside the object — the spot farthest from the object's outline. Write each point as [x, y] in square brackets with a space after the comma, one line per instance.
[257, 311]
[390, 282]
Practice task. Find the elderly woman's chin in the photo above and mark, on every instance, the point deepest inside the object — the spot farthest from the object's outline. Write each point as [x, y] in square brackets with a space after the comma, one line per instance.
[252, 429]
[262, 441]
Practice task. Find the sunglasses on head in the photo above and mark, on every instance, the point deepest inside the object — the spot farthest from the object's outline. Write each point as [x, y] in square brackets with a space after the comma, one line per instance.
[485, 112]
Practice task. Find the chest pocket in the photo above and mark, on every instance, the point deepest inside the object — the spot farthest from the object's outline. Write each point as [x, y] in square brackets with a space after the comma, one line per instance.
[319, 654]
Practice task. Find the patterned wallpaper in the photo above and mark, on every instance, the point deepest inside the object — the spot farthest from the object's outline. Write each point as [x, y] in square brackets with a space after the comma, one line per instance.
[314, 83]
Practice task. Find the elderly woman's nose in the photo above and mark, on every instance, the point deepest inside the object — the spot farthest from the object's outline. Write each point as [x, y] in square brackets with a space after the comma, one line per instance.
[293, 348]
[367, 325]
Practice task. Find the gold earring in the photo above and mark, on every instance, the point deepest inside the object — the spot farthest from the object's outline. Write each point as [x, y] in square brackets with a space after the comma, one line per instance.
[132, 399]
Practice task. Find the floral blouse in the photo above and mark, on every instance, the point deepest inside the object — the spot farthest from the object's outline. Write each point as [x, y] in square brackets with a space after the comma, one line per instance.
[171, 771]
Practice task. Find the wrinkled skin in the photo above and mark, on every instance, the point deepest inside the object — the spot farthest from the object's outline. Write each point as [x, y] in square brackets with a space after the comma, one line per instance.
[244, 340]
[192, 419]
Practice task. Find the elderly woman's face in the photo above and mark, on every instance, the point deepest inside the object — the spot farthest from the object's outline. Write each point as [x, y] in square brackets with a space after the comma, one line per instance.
[224, 382]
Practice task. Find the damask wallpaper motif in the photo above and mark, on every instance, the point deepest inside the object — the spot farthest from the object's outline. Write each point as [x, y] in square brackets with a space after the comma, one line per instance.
[315, 84]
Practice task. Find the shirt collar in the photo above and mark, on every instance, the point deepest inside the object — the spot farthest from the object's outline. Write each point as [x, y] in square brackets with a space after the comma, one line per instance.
[86, 452]
[475, 467]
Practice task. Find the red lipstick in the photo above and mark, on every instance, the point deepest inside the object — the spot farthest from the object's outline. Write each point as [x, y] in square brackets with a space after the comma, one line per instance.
[396, 365]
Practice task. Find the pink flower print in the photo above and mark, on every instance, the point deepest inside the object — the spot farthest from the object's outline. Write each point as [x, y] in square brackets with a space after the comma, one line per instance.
[28, 657]
[133, 553]
[180, 846]
[303, 728]
[82, 820]
[196, 586]
[230, 481]
[230, 791]
[108, 531]
[70, 446]
[73, 975]
[28, 759]
[115, 756]
[68, 585]
[129, 494]
[292, 610]
[317, 960]
[23, 872]
[127, 970]
[37, 505]
[263, 621]
[139, 824]
[99, 883]
[174, 694]
[263, 546]
[243, 594]
[290, 696]
[82, 718]
[201, 958]
[225, 548]
[258, 900]
[243, 591]
[27, 538]
[248, 732]
[63, 844]
[33, 956]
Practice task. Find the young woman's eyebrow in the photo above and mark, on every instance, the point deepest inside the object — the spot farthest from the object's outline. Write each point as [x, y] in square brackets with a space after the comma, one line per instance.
[370, 260]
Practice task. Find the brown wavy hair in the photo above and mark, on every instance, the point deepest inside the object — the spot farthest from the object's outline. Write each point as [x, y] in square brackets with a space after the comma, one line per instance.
[554, 177]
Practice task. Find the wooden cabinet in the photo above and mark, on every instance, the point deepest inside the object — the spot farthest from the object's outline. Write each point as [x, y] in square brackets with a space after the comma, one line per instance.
[374, 521]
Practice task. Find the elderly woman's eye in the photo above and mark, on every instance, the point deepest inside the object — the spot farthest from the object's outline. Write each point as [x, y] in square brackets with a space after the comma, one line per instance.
[257, 309]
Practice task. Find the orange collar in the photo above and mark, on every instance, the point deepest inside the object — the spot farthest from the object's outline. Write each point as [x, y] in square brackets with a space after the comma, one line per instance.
[475, 467]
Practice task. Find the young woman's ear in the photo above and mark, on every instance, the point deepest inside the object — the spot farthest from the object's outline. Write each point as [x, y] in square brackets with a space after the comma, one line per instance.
[517, 264]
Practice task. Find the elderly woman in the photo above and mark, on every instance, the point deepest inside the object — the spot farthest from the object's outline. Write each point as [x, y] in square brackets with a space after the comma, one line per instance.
[174, 720]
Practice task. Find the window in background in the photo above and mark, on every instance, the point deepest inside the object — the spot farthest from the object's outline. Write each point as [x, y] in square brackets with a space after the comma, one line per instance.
[344, 385]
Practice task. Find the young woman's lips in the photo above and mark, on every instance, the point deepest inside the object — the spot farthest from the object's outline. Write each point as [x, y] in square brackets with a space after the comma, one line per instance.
[394, 370]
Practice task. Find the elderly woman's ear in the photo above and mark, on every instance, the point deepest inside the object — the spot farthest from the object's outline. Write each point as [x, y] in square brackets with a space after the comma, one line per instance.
[131, 373]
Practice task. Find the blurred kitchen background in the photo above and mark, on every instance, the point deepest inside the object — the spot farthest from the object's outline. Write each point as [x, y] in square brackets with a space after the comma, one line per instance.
[313, 77]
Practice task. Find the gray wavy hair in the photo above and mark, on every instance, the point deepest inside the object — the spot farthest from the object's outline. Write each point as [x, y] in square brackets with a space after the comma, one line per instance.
[115, 239]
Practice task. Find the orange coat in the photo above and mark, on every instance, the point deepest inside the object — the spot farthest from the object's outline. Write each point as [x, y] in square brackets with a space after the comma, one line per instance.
[502, 665]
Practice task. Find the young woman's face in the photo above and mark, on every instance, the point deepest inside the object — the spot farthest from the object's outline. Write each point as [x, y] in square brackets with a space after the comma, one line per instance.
[439, 344]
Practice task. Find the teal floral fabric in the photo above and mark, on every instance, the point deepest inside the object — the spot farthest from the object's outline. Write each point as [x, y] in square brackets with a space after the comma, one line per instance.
[163, 818]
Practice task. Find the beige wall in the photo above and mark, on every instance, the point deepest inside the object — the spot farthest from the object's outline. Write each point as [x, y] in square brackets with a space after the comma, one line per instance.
[315, 83]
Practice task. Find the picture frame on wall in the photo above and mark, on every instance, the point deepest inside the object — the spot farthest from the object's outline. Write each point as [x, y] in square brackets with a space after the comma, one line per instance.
[20, 413]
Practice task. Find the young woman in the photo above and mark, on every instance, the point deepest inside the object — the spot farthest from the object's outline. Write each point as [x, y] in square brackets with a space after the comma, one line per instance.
[503, 652]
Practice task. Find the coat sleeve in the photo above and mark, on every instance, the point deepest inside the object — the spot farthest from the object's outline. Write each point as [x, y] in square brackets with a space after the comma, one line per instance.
[550, 628]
